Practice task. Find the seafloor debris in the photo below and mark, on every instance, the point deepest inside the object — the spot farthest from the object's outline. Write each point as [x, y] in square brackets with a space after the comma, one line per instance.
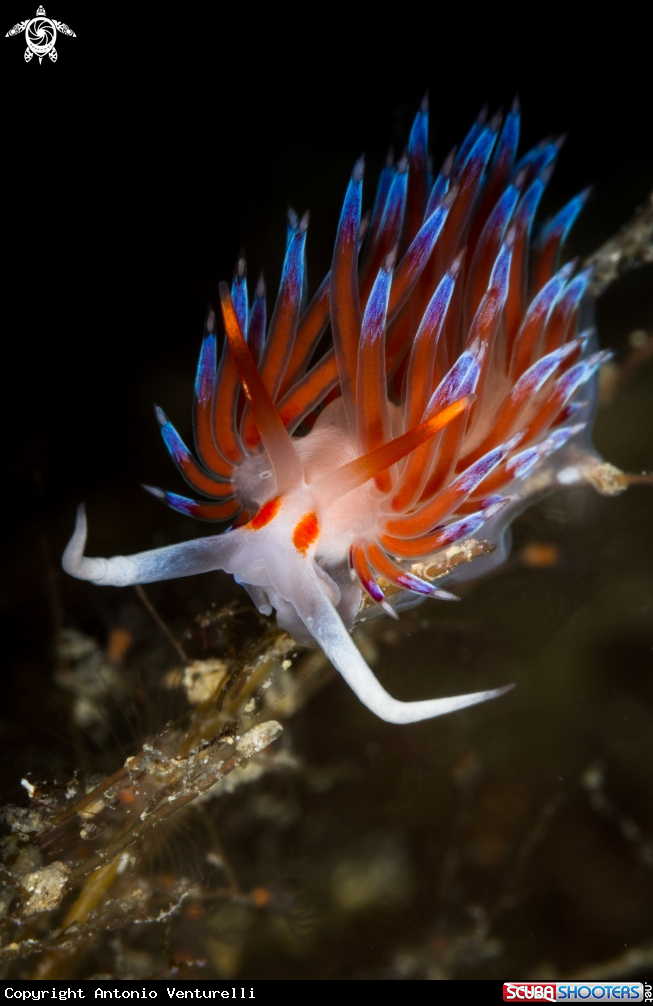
[91, 675]
[70, 854]
[632, 246]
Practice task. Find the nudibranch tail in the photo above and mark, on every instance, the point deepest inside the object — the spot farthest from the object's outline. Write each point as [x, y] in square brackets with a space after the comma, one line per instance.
[458, 385]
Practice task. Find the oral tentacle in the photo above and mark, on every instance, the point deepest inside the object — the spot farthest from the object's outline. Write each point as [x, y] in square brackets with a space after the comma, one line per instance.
[201, 555]
[326, 627]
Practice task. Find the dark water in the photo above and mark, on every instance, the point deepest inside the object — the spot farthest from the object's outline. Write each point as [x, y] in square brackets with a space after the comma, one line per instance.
[515, 839]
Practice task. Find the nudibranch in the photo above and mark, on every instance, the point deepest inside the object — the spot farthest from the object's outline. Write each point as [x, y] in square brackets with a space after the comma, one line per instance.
[458, 386]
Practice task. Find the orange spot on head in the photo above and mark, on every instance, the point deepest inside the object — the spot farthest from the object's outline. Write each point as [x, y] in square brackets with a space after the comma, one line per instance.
[306, 532]
[267, 513]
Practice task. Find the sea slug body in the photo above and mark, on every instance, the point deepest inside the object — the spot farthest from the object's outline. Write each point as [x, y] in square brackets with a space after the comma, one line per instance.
[459, 386]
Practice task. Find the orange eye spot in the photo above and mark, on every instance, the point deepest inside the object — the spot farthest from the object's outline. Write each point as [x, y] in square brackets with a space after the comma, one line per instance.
[267, 513]
[306, 532]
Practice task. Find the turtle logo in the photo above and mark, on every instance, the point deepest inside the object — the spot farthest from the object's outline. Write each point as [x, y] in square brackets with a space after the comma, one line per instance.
[40, 35]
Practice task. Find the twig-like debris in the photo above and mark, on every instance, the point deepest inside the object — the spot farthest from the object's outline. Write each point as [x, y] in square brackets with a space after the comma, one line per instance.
[115, 915]
[631, 247]
[533, 839]
[166, 784]
[159, 621]
[435, 568]
[153, 785]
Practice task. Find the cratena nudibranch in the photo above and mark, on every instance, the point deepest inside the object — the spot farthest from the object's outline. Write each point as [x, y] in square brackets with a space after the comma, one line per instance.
[459, 385]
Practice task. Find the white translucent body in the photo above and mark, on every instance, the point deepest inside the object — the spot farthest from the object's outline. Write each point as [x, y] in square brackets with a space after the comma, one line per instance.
[312, 592]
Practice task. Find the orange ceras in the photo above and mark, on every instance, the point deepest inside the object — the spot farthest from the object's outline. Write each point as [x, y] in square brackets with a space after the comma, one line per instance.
[267, 513]
[305, 533]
